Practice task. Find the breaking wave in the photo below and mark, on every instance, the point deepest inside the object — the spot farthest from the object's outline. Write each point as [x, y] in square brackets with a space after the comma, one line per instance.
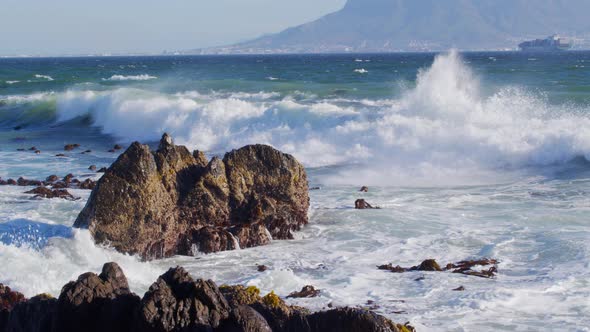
[444, 123]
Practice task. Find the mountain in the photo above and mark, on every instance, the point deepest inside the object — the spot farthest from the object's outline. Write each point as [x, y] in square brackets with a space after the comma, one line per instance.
[414, 25]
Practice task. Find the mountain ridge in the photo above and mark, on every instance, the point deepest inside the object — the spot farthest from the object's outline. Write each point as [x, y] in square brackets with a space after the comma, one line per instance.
[425, 25]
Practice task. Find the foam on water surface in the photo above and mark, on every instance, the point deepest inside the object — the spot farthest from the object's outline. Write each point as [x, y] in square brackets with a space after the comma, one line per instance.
[461, 170]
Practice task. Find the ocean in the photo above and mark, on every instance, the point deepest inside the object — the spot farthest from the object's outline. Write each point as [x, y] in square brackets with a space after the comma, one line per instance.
[468, 155]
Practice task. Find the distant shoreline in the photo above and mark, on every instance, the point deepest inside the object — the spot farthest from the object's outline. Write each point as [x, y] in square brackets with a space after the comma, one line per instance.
[2, 57]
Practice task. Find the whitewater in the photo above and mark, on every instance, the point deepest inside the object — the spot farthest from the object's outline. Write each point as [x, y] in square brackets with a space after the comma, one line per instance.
[468, 157]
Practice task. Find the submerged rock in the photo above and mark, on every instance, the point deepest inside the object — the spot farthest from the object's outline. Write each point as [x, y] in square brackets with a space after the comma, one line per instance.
[364, 189]
[361, 204]
[175, 302]
[169, 201]
[463, 267]
[45, 192]
[26, 182]
[70, 147]
[87, 184]
[306, 291]
[52, 178]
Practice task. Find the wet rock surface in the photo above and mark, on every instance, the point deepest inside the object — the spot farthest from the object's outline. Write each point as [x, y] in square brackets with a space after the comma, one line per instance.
[176, 302]
[361, 204]
[45, 192]
[463, 267]
[169, 201]
[306, 291]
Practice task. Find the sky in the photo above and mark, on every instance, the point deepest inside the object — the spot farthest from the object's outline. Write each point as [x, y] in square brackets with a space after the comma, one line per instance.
[54, 27]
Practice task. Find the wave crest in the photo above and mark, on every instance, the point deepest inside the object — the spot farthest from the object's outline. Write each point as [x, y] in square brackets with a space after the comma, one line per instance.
[442, 125]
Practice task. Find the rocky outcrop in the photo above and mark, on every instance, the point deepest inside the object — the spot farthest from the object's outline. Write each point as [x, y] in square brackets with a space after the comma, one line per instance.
[169, 201]
[176, 302]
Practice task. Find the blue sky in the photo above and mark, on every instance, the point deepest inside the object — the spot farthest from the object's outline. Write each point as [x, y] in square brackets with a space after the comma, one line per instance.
[49, 27]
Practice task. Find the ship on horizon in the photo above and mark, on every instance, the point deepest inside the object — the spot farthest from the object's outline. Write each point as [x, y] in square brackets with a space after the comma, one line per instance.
[553, 43]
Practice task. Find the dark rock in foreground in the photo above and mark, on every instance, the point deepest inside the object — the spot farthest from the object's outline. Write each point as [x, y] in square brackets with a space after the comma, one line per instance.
[167, 202]
[176, 302]
[9, 298]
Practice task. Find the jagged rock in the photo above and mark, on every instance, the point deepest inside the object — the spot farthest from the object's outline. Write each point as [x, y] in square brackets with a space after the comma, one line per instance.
[459, 289]
[9, 298]
[97, 303]
[364, 189]
[117, 147]
[175, 302]
[60, 155]
[261, 268]
[11, 182]
[102, 170]
[45, 192]
[37, 151]
[306, 291]
[167, 202]
[92, 168]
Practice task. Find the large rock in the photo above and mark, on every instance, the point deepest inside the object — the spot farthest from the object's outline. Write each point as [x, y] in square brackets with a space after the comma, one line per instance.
[167, 202]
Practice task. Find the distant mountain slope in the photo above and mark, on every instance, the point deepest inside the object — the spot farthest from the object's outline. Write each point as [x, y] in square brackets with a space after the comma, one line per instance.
[394, 25]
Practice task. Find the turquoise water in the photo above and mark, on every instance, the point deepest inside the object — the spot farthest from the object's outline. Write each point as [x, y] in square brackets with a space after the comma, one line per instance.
[471, 155]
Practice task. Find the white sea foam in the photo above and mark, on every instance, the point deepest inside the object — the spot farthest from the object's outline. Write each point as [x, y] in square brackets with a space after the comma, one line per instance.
[142, 77]
[443, 128]
[46, 77]
[12, 82]
[361, 71]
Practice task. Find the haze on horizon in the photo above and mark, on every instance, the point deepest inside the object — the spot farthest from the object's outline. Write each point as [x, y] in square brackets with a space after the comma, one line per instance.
[59, 27]
[40, 27]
